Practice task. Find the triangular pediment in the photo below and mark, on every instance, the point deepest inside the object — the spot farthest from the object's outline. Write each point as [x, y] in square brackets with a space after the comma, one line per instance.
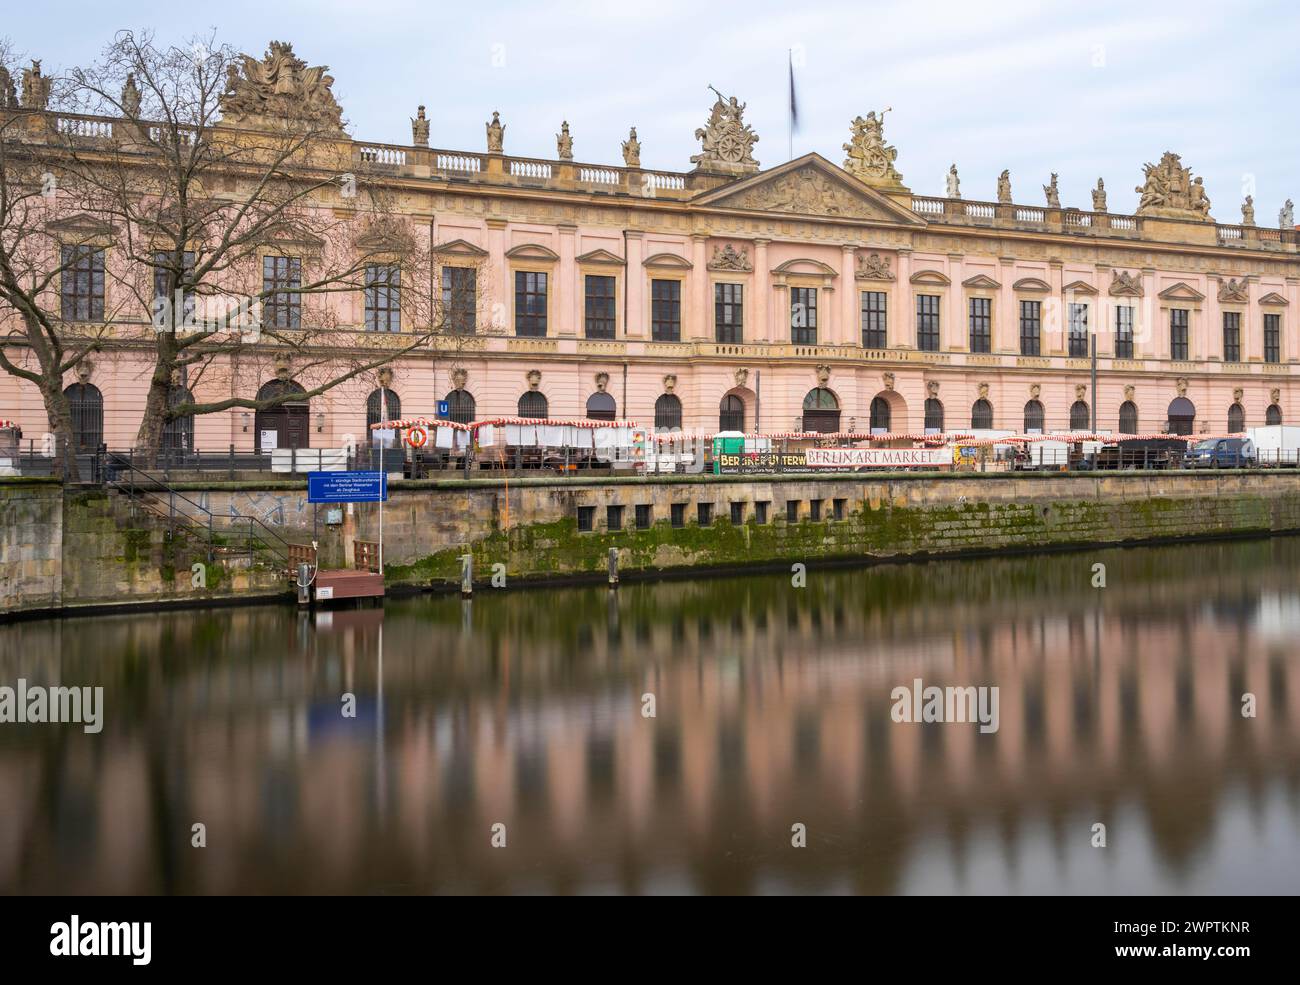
[1181, 292]
[601, 257]
[809, 186]
[460, 248]
[82, 226]
[982, 282]
[1272, 297]
[285, 236]
[1078, 287]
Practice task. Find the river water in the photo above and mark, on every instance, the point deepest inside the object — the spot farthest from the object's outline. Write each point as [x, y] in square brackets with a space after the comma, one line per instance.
[772, 709]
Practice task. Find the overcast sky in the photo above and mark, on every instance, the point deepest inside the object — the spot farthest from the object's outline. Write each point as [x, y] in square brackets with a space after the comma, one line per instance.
[1083, 88]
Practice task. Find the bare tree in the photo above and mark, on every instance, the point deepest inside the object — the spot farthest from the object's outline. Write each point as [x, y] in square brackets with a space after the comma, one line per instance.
[47, 330]
[238, 214]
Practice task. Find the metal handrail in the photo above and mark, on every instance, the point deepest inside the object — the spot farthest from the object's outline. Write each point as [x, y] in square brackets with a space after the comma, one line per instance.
[155, 484]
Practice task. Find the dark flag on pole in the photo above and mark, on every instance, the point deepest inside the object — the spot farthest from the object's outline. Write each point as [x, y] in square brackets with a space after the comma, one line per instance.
[794, 105]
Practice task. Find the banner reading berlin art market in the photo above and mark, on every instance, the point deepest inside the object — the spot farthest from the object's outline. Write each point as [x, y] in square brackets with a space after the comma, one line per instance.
[839, 458]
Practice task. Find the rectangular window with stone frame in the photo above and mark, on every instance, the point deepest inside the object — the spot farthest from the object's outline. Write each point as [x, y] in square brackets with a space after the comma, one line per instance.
[82, 283]
[803, 315]
[927, 322]
[383, 297]
[282, 291]
[874, 324]
[1272, 338]
[460, 300]
[530, 303]
[1124, 331]
[666, 310]
[1031, 328]
[1178, 321]
[981, 325]
[599, 308]
[729, 312]
[1077, 321]
[1232, 336]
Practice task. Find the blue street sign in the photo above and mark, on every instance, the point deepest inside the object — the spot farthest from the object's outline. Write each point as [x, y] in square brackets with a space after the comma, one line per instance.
[444, 409]
[347, 487]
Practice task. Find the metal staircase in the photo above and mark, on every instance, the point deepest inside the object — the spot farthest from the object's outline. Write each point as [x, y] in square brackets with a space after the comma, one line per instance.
[223, 537]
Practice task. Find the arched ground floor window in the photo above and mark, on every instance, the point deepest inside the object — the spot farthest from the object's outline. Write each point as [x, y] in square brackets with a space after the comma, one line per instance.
[1182, 416]
[1079, 416]
[668, 412]
[933, 414]
[601, 407]
[1034, 417]
[731, 413]
[1128, 418]
[534, 404]
[981, 415]
[821, 411]
[87, 406]
[880, 416]
[461, 406]
[1236, 419]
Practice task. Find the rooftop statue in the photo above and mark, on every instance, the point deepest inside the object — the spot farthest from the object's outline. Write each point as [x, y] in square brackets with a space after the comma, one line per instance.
[1286, 217]
[1248, 211]
[632, 150]
[420, 128]
[280, 87]
[1053, 194]
[954, 184]
[1004, 187]
[727, 142]
[1170, 191]
[564, 143]
[1099, 197]
[870, 158]
[496, 133]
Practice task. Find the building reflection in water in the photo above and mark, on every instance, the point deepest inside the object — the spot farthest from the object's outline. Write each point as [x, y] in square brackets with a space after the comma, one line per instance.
[1119, 705]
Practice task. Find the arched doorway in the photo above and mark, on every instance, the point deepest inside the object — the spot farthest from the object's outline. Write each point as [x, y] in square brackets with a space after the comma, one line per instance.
[534, 404]
[601, 407]
[821, 411]
[731, 414]
[1236, 419]
[1079, 416]
[1182, 416]
[1273, 415]
[1034, 417]
[879, 415]
[933, 415]
[87, 406]
[981, 415]
[284, 425]
[461, 406]
[668, 412]
[1128, 417]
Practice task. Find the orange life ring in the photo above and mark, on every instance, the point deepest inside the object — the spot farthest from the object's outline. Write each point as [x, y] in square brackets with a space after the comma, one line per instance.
[417, 437]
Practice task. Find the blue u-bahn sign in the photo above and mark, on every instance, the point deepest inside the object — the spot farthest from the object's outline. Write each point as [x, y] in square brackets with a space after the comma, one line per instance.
[347, 487]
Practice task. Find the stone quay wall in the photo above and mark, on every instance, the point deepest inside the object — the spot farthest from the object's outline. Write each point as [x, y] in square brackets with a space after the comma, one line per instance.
[69, 549]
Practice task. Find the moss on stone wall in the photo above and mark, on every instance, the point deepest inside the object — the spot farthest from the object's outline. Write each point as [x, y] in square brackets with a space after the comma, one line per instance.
[876, 529]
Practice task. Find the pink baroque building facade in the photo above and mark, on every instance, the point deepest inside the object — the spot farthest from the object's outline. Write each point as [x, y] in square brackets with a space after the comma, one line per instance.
[809, 295]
